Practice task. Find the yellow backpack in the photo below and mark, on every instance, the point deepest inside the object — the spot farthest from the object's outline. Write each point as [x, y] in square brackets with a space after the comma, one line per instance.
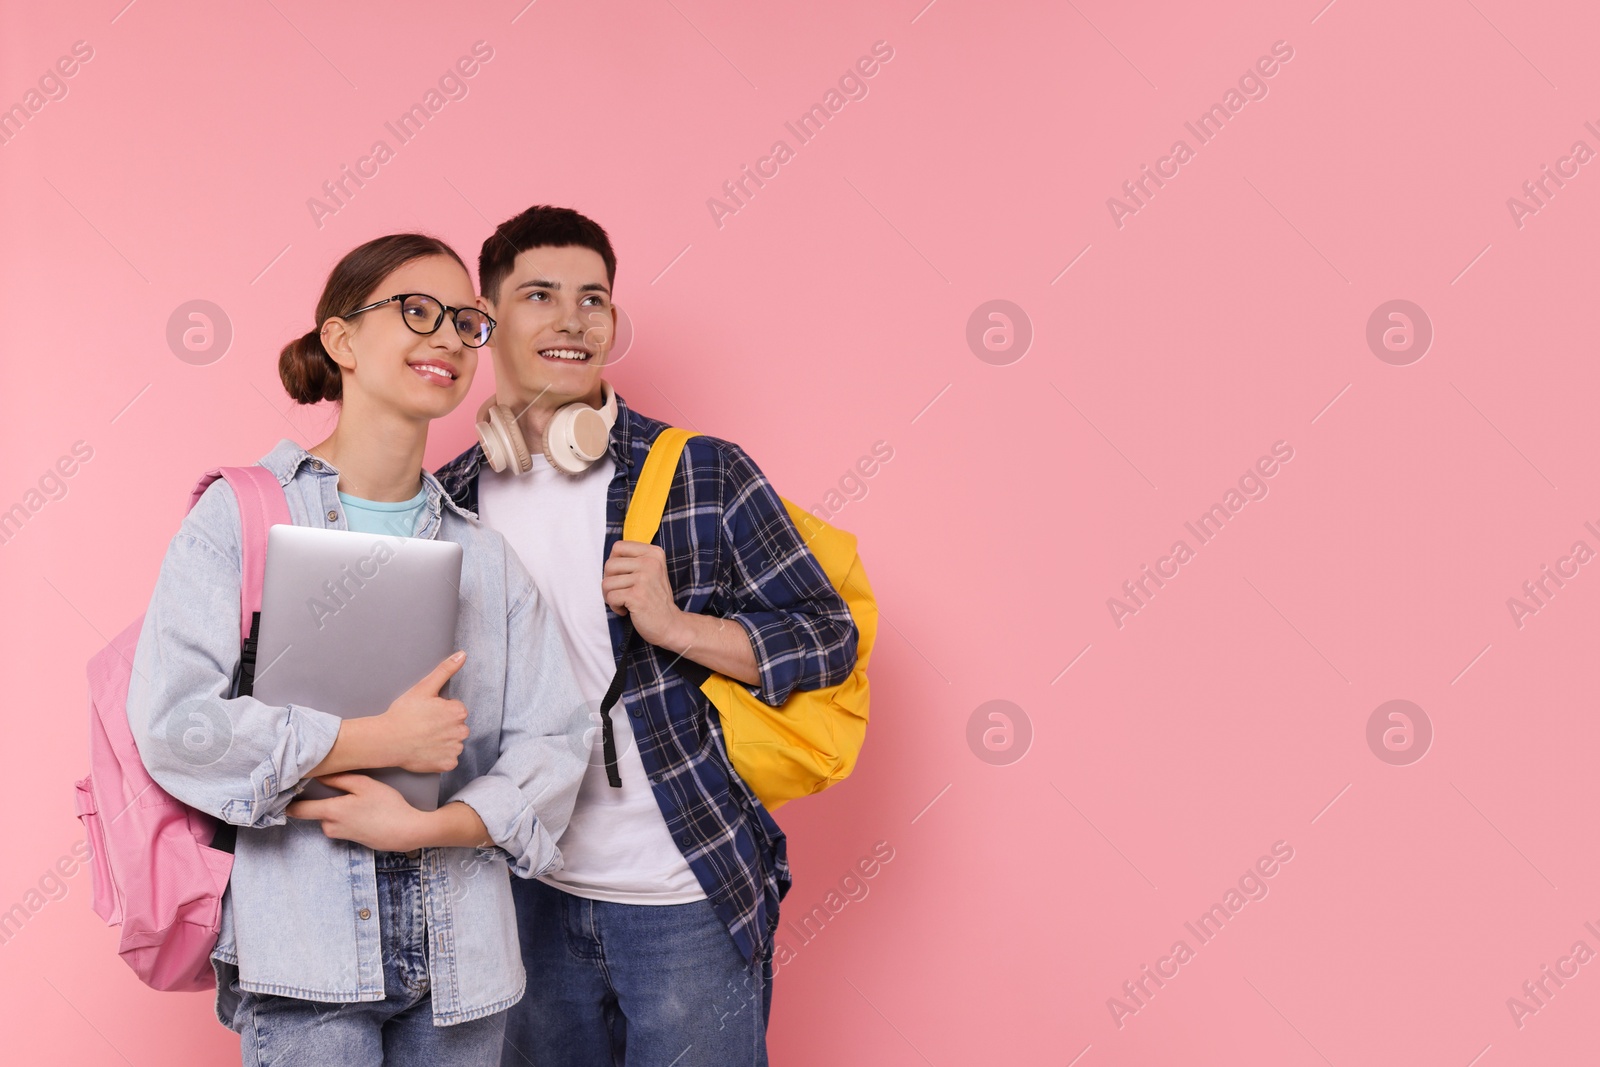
[812, 741]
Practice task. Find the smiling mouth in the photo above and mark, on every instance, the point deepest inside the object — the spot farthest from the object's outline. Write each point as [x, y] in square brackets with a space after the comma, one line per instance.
[434, 371]
[565, 355]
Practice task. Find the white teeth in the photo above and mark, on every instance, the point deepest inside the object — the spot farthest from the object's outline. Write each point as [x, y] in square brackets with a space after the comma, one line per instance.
[565, 353]
[440, 371]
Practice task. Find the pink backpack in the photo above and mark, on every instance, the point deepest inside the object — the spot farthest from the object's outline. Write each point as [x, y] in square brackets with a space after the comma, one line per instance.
[159, 867]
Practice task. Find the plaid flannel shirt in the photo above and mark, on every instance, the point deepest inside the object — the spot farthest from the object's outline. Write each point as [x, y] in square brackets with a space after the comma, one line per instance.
[732, 552]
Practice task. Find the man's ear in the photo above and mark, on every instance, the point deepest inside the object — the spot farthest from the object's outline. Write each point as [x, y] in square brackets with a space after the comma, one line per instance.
[338, 340]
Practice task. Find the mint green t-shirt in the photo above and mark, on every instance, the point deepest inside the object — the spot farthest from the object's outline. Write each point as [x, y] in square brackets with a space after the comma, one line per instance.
[392, 518]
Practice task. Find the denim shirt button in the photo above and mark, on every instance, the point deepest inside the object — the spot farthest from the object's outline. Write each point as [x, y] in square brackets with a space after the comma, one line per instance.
[333, 516]
[365, 913]
[316, 464]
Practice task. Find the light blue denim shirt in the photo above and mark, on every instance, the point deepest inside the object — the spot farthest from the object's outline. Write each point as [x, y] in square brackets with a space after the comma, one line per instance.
[300, 917]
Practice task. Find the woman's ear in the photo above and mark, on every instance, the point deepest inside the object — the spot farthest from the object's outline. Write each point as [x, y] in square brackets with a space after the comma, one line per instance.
[338, 341]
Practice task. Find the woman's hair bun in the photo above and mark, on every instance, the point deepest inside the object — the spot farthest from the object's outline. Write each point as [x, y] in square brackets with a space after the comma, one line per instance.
[309, 374]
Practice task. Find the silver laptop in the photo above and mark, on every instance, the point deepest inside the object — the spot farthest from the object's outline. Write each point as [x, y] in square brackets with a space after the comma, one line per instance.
[349, 621]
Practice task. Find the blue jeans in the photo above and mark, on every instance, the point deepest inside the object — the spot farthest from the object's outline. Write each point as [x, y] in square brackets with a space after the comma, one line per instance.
[398, 1030]
[632, 985]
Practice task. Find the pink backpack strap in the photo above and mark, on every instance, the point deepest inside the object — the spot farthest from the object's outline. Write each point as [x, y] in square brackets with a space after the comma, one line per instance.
[261, 505]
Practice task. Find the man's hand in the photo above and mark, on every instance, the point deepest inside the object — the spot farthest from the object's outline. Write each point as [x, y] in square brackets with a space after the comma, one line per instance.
[635, 584]
[370, 813]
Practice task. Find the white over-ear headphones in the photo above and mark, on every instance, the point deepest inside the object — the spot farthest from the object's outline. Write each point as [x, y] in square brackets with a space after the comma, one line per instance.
[576, 437]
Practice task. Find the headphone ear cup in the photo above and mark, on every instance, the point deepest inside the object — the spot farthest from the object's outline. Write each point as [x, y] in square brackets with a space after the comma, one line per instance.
[556, 443]
[575, 438]
[504, 426]
[549, 455]
[492, 440]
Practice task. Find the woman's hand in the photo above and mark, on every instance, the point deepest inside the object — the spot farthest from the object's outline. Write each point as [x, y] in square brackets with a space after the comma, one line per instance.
[376, 815]
[423, 731]
[369, 813]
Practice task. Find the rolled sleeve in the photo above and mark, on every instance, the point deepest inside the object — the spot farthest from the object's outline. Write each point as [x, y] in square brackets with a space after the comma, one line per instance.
[526, 798]
[511, 823]
[800, 628]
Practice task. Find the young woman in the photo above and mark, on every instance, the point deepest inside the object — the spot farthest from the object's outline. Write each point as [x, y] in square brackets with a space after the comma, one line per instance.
[384, 934]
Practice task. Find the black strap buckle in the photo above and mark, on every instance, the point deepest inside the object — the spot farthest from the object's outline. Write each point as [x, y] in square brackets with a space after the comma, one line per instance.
[608, 735]
[244, 674]
[244, 682]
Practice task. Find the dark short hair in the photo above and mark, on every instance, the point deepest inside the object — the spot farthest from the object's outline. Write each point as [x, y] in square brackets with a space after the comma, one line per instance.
[541, 226]
[309, 374]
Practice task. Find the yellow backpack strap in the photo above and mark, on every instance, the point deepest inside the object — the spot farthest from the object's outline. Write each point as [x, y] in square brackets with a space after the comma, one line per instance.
[650, 494]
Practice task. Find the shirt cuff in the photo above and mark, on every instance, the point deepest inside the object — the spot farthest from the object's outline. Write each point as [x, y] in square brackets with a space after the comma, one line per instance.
[511, 823]
[777, 652]
[277, 780]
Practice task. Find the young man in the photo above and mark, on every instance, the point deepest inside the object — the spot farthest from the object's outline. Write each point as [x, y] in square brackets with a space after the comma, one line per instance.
[653, 943]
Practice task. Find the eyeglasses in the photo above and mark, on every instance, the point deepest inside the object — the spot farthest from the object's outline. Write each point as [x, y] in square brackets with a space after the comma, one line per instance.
[423, 314]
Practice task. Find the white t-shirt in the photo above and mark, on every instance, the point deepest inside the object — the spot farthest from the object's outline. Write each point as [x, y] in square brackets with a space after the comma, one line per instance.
[617, 847]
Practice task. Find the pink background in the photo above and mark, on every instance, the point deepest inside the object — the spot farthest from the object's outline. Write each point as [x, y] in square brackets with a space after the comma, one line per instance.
[831, 312]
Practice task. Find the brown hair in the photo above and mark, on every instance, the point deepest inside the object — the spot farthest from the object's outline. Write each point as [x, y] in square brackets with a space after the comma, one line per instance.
[309, 374]
[541, 226]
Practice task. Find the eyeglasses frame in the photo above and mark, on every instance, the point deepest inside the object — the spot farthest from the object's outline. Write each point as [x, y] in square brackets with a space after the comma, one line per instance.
[448, 310]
